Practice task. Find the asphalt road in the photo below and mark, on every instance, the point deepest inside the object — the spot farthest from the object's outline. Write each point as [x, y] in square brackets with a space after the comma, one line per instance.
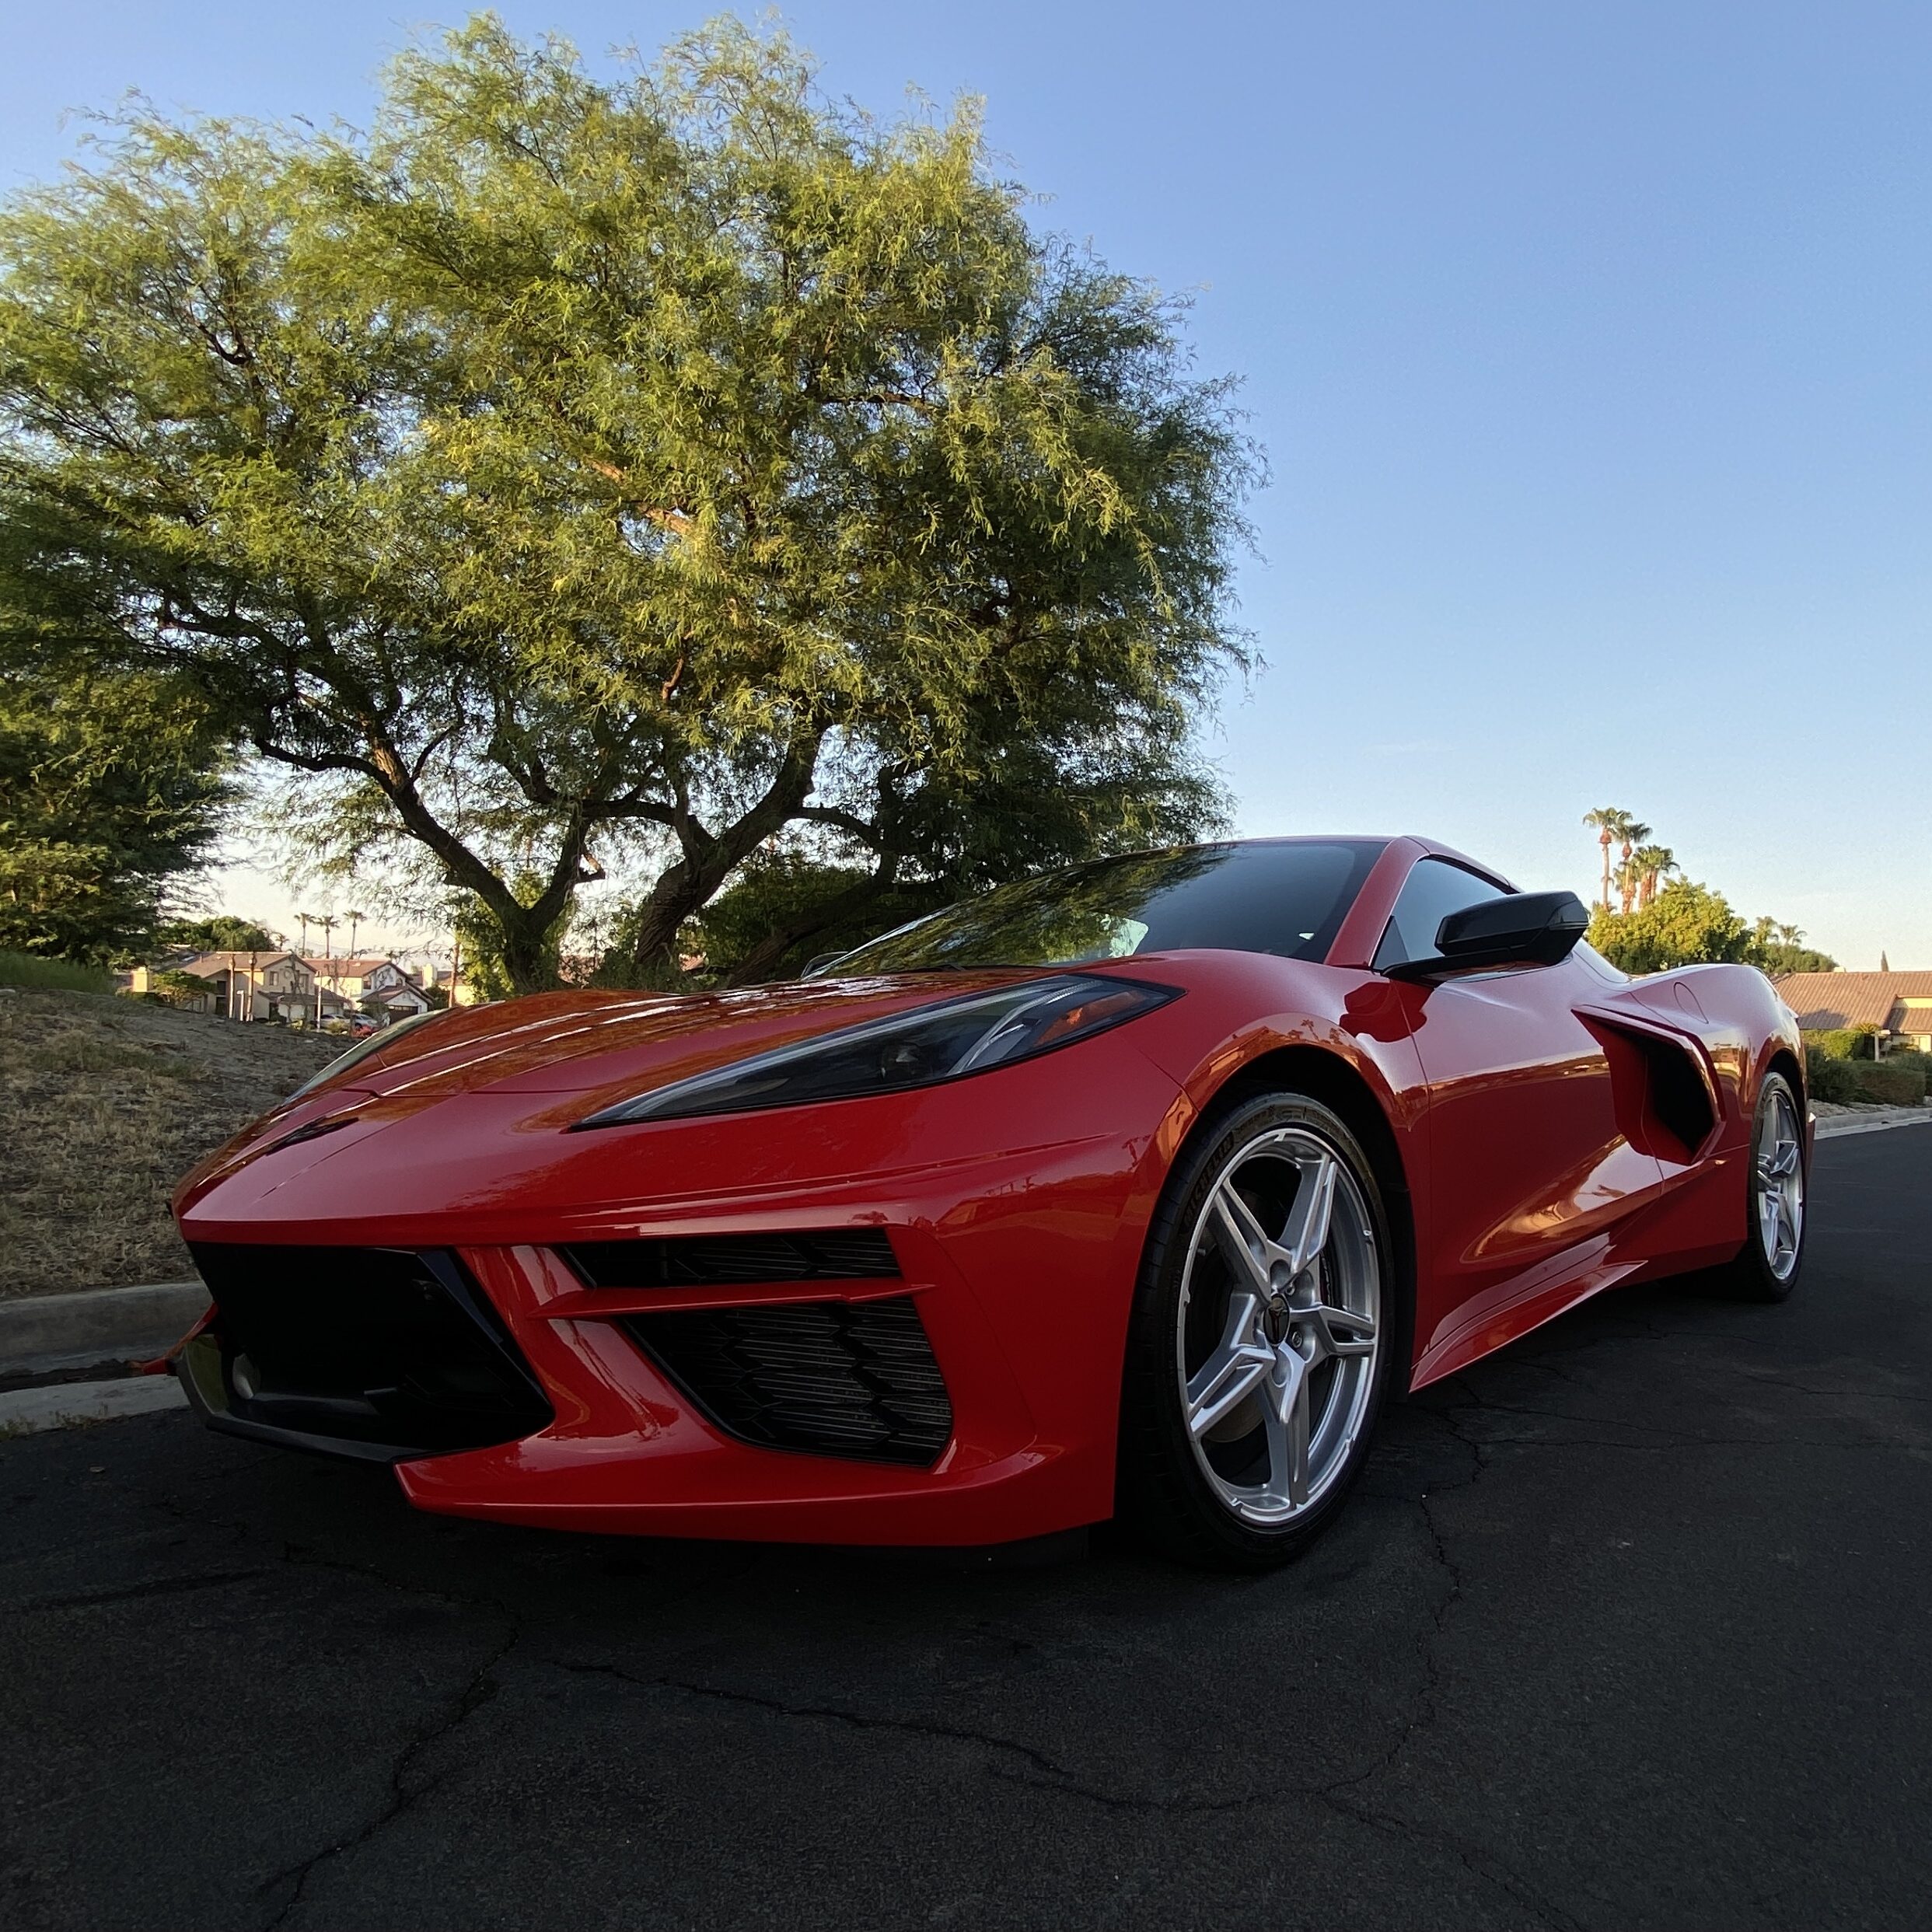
[1630, 1626]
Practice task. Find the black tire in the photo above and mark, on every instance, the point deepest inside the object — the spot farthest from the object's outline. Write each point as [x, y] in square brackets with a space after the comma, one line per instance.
[1164, 1492]
[1756, 1275]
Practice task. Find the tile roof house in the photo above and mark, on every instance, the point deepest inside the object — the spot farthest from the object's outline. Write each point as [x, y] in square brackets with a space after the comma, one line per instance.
[370, 982]
[252, 985]
[1899, 1004]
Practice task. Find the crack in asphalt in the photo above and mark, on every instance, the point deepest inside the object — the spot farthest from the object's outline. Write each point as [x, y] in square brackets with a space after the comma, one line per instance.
[1843, 1395]
[480, 1687]
[1055, 1777]
[833, 1713]
[1425, 1706]
[1472, 1859]
[132, 1592]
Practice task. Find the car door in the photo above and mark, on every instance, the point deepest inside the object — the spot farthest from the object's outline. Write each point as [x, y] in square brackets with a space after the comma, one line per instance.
[1531, 1177]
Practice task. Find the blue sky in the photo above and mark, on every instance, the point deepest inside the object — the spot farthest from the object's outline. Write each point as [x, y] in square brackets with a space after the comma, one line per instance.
[1589, 346]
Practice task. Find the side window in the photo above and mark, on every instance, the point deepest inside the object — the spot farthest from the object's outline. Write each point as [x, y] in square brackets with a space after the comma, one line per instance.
[1433, 890]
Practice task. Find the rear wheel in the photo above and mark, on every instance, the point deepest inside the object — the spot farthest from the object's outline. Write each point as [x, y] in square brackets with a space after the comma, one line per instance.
[1767, 1266]
[1259, 1350]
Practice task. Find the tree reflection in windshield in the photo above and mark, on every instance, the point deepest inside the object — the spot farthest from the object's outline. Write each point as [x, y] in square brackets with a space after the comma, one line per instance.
[1286, 896]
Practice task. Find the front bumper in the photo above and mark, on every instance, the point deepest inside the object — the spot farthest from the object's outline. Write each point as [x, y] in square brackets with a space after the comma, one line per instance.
[1018, 1265]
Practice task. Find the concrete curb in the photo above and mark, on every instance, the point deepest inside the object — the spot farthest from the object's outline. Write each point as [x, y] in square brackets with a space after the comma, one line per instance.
[41, 1332]
[1835, 1124]
[74, 1404]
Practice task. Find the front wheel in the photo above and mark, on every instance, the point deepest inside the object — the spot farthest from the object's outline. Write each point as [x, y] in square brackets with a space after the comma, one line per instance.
[1260, 1342]
[1766, 1269]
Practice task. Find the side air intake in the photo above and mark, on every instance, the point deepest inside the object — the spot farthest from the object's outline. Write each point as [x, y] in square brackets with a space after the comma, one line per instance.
[855, 1380]
[1666, 1103]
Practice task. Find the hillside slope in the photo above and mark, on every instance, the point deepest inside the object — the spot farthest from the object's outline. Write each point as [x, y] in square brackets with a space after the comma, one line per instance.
[105, 1104]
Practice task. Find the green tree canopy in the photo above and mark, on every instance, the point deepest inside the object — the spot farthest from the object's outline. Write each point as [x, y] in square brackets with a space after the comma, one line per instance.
[1779, 949]
[1689, 924]
[575, 476]
[223, 933]
[112, 783]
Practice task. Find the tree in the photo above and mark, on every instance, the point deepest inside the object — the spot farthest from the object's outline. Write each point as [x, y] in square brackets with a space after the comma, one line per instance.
[1779, 949]
[1604, 820]
[1687, 924]
[480, 944]
[572, 476]
[1654, 864]
[113, 784]
[1633, 834]
[784, 907]
[223, 934]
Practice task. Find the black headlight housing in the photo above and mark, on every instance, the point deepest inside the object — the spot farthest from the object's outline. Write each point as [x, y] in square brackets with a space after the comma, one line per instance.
[949, 1040]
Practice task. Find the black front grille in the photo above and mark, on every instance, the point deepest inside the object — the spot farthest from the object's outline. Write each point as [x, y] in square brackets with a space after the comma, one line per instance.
[827, 1377]
[379, 1352]
[683, 1261]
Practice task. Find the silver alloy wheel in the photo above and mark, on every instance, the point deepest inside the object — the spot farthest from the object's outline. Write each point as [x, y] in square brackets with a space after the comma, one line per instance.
[1279, 1322]
[1777, 1156]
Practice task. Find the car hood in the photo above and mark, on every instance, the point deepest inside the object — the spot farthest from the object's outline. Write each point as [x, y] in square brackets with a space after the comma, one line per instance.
[574, 1052]
[581, 1043]
[549, 1061]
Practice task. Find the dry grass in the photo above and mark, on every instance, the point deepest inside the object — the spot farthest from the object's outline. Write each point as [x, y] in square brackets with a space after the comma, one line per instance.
[104, 1105]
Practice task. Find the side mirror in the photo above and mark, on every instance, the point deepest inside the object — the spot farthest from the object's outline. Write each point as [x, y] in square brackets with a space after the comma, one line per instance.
[1523, 929]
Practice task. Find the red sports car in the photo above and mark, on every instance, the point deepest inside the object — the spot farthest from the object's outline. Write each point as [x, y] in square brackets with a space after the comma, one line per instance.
[1130, 1188]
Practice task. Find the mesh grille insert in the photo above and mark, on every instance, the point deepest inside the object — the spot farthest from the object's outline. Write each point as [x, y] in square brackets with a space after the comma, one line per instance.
[824, 1377]
[674, 1261]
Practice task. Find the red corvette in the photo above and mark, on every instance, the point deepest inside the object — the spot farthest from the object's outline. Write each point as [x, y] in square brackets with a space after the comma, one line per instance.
[1129, 1188]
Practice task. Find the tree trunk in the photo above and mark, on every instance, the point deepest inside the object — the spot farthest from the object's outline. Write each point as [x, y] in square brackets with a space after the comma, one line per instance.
[527, 961]
[690, 885]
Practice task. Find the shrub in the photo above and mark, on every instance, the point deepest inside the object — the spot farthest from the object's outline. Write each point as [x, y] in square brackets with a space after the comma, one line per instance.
[176, 989]
[29, 969]
[1829, 1077]
[1844, 1043]
[1896, 1086]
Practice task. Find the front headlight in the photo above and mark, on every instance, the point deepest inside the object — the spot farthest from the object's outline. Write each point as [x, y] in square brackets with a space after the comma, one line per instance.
[919, 1048]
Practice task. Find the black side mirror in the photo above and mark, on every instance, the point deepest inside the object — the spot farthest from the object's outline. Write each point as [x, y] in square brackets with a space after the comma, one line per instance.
[1523, 929]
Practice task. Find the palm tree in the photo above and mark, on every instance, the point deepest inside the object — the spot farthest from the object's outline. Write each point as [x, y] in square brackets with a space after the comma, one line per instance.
[1632, 835]
[1654, 864]
[1609, 821]
[354, 919]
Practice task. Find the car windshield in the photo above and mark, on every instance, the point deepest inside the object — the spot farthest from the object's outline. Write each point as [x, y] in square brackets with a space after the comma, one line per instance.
[1287, 897]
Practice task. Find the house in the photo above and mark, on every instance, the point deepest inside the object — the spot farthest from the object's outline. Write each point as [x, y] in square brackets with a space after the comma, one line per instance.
[243, 986]
[355, 978]
[377, 986]
[457, 990]
[1898, 1004]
